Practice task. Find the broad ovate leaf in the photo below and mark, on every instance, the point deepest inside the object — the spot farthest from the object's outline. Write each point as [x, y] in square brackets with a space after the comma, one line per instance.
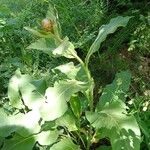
[24, 124]
[121, 128]
[65, 144]
[55, 104]
[116, 90]
[104, 31]
[69, 69]
[22, 92]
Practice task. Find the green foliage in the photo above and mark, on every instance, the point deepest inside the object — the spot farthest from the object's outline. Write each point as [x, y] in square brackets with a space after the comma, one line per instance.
[57, 104]
[60, 117]
[106, 30]
[112, 118]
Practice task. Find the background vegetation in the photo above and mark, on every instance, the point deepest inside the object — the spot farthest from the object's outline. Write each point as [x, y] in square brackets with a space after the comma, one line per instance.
[126, 49]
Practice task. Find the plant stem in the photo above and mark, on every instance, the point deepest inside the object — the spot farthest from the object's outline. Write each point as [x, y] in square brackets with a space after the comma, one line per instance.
[90, 79]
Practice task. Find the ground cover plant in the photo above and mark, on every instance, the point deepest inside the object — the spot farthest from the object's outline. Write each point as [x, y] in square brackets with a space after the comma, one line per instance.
[65, 101]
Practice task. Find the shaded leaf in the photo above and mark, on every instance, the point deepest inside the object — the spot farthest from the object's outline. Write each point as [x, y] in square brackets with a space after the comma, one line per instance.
[44, 45]
[68, 120]
[75, 105]
[19, 143]
[39, 33]
[49, 46]
[65, 144]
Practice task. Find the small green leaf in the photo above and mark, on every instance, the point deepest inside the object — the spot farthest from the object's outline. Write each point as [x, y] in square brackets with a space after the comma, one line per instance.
[47, 137]
[68, 69]
[40, 85]
[106, 30]
[75, 105]
[44, 45]
[68, 120]
[48, 125]
[65, 49]
[65, 144]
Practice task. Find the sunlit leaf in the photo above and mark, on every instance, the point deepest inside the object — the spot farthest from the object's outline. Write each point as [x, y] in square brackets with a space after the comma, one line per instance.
[121, 128]
[22, 92]
[104, 31]
[24, 124]
[65, 144]
[68, 69]
[47, 137]
[13, 88]
[116, 90]
[57, 97]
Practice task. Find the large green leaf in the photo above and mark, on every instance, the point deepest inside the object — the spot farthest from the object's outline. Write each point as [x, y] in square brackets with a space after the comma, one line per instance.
[19, 143]
[116, 90]
[106, 30]
[55, 104]
[22, 92]
[65, 144]
[121, 128]
[24, 124]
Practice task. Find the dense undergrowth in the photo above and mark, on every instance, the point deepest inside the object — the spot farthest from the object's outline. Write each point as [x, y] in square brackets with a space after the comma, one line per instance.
[84, 84]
